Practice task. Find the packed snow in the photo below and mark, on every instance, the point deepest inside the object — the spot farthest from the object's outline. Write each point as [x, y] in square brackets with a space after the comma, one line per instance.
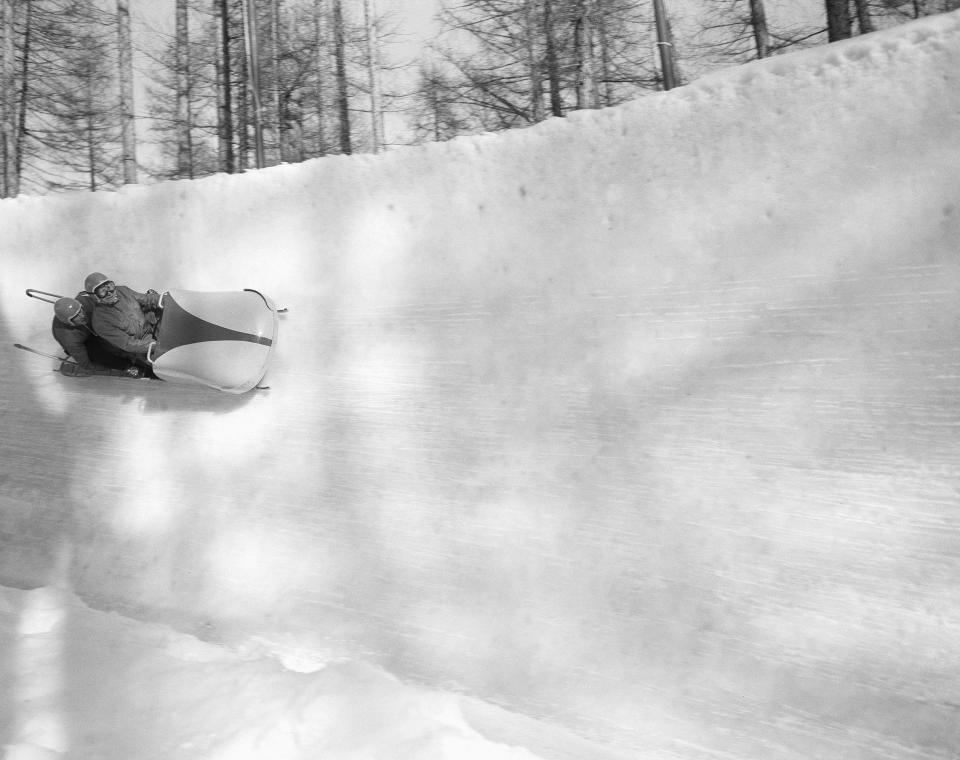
[629, 435]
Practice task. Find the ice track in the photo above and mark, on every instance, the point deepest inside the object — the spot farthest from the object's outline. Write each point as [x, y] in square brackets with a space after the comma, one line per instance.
[644, 424]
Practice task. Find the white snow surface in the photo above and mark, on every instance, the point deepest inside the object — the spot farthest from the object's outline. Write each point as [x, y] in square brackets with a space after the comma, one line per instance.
[634, 434]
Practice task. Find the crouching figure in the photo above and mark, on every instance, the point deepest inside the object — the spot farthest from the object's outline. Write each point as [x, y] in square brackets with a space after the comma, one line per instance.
[90, 355]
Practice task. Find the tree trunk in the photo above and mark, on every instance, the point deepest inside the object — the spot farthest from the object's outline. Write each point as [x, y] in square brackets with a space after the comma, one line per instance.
[24, 95]
[839, 23]
[7, 113]
[319, 91]
[587, 75]
[864, 19]
[242, 115]
[373, 74]
[184, 87]
[553, 66]
[224, 91]
[128, 124]
[91, 139]
[604, 41]
[533, 62]
[275, 64]
[252, 80]
[761, 34]
[343, 100]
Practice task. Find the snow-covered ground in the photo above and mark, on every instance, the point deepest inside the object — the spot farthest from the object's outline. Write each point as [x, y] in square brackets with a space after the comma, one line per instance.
[634, 434]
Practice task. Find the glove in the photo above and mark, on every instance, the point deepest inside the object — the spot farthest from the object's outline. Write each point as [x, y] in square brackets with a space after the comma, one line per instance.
[72, 369]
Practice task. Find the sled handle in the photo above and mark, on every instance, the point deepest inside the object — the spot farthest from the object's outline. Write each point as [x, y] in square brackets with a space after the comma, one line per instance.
[150, 351]
[33, 293]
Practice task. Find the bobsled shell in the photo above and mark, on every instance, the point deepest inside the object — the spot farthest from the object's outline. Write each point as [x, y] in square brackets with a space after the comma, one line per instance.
[245, 311]
[223, 340]
[227, 365]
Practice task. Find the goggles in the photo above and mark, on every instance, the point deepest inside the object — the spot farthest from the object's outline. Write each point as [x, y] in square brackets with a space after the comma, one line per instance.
[107, 289]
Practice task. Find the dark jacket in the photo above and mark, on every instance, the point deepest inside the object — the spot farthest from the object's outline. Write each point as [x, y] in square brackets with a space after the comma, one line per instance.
[73, 338]
[128, 324]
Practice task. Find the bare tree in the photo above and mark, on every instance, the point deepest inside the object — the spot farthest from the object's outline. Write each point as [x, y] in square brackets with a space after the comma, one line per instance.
[839, 21]
[533, 60]
[241, 88]
[604, 77]
[913, 9]
[373, 73]
[587, 94]
[224, 67]
[439, 113]
[67, 111]
[739, 30]
[864, 18]
[343, 96]
[73, 123]
[275, 45]
[183, 91]
[319, 89]
[552, 60]
[251, 80]
[20, 108]
[185, 100]
[127, 122]
[8, 132]
[508, 57]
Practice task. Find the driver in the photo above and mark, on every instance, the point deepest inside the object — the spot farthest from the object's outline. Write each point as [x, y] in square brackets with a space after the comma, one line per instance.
[124, 318]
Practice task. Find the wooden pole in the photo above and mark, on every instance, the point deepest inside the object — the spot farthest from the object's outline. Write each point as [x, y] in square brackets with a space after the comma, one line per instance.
[665, 44]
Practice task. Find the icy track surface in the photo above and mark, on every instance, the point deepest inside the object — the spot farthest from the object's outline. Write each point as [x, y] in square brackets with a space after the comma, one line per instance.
[635, 434]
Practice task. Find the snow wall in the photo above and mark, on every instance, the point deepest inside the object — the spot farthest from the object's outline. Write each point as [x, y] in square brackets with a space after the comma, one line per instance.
[644, 422]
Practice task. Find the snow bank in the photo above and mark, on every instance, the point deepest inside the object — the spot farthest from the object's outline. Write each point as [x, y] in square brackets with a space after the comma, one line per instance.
[87, 684]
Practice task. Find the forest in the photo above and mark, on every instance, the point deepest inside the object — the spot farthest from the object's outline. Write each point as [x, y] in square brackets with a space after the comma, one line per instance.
[234, 85]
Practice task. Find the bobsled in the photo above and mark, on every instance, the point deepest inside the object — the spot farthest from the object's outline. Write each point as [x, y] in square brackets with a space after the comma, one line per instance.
[223, 340]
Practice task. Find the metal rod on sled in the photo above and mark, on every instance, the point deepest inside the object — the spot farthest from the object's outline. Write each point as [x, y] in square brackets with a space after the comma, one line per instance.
[52, 299]
[41, 353]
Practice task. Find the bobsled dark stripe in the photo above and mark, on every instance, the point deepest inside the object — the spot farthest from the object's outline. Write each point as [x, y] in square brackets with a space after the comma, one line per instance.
[192, 329]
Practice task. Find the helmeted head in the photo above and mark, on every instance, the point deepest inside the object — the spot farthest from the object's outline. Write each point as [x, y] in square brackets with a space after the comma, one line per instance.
[69, 311]
[101, 287]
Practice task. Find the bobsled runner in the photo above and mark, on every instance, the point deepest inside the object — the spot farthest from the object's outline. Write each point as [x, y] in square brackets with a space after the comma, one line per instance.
[222, 340]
